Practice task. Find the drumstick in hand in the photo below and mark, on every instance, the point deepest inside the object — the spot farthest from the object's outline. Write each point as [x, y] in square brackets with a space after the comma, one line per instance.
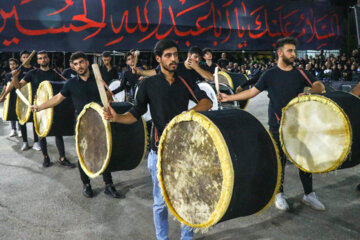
[216, 80]
[28, 59]
[136, 56]
[100, 85]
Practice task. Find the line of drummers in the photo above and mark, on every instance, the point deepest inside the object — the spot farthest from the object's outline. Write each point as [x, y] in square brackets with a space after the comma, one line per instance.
[317, 130]
[38, 85]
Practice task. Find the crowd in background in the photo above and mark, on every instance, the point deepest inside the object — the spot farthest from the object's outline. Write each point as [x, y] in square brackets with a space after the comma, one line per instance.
[331, 67]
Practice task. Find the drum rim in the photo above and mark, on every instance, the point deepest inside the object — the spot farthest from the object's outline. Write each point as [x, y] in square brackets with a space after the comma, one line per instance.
[6, 104]
[50, 92]
[98, 108]
[28, 113]
[226, 166]
[107, 127]
[343, 116]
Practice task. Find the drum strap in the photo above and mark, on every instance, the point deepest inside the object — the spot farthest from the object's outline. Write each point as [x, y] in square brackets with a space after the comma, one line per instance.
[306, 77]
[59, 74]
[192, 94]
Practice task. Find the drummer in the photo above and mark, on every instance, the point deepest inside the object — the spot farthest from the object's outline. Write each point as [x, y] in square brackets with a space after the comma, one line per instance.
[208, 65]
[13, 64]
[108, 72]
[283, 83]
[83, 90]
[36, 76]
[356, 91]
[167, 96]
[69, 73]
[189, 69]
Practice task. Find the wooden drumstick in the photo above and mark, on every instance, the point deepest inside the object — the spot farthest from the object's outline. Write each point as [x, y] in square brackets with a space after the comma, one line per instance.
[216, 80]
[136, 56]
[22, 97]
[98, 78]
[28, 59]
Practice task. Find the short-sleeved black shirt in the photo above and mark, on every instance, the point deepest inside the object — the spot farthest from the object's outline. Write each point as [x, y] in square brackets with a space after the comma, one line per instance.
[282, 87]
[208, 68]
[36, 76]
[223, 63]
[82, 92]
[188, 74]
[108, 76]
[128, 79]
[165, 100]
[68, 73]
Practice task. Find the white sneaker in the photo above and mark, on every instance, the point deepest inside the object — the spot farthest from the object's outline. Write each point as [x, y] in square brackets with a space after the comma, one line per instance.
[36, 146]
[280, 202]
[25, 146]
[12, 133]
[19, 133]
[312, 201]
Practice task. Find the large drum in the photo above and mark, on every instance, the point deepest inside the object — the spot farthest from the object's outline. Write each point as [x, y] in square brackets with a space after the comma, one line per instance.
[103, 145]
[209, 90]
[23, 111]
[9, 113]
[120, 96]
[234, 80]
[217, 165]
[321, 133]
[56, 121]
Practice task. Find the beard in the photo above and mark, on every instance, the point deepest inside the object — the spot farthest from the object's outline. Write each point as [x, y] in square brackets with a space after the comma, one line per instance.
[44, 65]
[82, 73]
[167, 68]
[288, 61]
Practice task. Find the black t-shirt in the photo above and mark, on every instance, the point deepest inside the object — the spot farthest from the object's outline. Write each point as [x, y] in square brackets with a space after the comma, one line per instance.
[108, 76]
[188, 74]
[165, 100]
[68, 73]
[82, 92]
[24, 71]
[208, 68]
[282, 87]
[223, 63]
[129, 80]
[36, 76]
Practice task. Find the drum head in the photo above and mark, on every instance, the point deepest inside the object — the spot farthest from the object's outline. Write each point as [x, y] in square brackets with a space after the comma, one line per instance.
[315, 133]
[23, 111]
[207, 88]
[195, 176]
[120, 96]
[93, 140]
[6, 104]
[226, 79]
[43, 120]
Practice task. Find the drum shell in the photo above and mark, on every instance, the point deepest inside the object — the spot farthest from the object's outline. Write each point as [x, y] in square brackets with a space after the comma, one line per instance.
[255, 162]
[9, 112]
[125, 144]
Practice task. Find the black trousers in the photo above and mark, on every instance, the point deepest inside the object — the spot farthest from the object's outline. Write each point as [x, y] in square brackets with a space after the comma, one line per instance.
[23, 130]
[59, 144]
[13, 125]
[306, 178]
[86, 180]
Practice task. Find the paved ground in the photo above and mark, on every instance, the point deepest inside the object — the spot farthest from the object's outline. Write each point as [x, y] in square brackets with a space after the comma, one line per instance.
[38, 203]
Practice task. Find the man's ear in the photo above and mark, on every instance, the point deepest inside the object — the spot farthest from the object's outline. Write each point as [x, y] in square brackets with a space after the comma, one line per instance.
[157, 58]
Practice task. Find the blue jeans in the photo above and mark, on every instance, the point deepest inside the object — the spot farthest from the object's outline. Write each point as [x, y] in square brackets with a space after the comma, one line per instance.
[159, 208]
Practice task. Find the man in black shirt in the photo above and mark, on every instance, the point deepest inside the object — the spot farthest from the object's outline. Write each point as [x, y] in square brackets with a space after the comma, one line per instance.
[36, 76]
[283, 83]
[167, 96]
[190, 69]
[83, 90]
[208, 65]
[69, 73]
[108, 73]
[223, 62]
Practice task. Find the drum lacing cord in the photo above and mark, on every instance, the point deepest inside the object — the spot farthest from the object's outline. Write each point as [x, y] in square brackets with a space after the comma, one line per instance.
[192, 94]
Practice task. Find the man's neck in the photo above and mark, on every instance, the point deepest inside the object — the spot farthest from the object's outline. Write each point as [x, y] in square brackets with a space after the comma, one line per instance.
[47, 68]
[169, 76]
[108, 67]
[209, 62]
[85, 77]
[283, 66]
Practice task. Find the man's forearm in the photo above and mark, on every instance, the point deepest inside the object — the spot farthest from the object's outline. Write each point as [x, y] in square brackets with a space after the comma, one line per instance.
[126, 118]
[204, 74]
[317, 87]
[203, 105]
[52, 102]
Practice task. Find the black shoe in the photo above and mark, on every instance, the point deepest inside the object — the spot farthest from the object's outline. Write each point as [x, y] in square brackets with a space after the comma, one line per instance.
[46, 162]
[111, 191]
[358, 187]
[66, 163]
[87, 191]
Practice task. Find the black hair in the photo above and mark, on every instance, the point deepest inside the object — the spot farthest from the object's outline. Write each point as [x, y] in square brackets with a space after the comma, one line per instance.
[14, 60]
[77, 55]
[163, 44]
[127, 54]
[106, 54]
[206, 50]
[24, 52]
[196, 50]
[287, 40]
